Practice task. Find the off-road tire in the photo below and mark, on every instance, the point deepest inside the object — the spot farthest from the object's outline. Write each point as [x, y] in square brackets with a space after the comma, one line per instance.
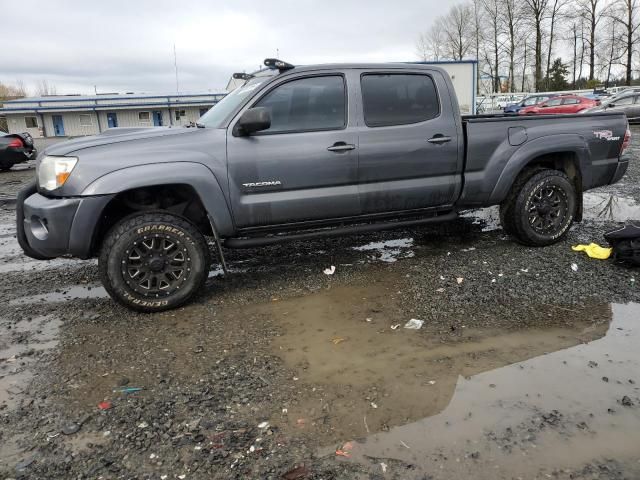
[506, 218]
[5, 167]
[156, 229]
[515, 212]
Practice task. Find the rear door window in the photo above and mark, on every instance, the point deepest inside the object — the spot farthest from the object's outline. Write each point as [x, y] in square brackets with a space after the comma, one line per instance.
[570, 101]
[307, 104]
[624, 101]
[554, 102]
[398, 99]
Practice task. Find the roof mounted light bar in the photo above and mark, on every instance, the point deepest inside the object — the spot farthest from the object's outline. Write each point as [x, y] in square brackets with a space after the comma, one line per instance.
[274, 63]
[242, 76]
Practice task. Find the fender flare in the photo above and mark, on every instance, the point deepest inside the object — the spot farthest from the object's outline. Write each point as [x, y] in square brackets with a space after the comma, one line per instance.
[530, 151]
[196, 175]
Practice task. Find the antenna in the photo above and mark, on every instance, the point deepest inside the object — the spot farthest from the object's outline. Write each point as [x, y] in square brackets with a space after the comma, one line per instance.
[175, 64]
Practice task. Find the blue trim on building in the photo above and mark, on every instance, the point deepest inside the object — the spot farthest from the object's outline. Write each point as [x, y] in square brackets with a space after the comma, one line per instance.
[444, 62]
[97, 98]
[143, 106]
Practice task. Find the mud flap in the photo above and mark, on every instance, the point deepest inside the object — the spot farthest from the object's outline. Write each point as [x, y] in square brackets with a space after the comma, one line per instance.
[218, 245]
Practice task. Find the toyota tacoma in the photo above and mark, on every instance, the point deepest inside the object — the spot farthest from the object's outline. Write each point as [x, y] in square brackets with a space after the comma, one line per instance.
[302, 152]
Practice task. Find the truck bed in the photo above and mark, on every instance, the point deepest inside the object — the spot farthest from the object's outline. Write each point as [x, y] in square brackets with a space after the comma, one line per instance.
[497, 146]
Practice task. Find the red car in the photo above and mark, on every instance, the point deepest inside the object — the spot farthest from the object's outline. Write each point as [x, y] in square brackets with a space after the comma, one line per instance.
[561, 104]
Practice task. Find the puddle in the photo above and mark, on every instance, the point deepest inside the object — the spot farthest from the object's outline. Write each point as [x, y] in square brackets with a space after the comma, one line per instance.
[546, 417]
[369, 377]
[610, 208]
[19, 343]
[388, 251]
[487, 218]
[69, 293]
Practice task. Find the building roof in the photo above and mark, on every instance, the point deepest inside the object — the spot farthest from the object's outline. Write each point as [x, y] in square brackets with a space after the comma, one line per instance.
[109, 101]
[110, 96]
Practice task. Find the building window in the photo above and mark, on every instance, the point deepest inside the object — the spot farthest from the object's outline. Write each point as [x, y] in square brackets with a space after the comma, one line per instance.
[32, 122]
[144, 117]
[86, 120]
[180, 114]
[203, 111]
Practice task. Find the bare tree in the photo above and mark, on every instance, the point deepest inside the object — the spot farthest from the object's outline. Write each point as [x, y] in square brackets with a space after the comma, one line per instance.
[609, 51]
[625, 12]
[431, 45]
[43, 89]
[478, 37]
[457, 27]
[554, 12]
[493, 10]
[11, 91]
[512, 12]
[538, 11]
[592, 10]
[524, 66]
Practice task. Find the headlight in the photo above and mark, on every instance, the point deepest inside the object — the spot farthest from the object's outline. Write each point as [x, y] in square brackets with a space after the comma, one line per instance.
[53, 172]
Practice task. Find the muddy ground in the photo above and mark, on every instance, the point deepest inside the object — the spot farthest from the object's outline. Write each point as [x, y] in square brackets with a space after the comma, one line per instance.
[527, 364]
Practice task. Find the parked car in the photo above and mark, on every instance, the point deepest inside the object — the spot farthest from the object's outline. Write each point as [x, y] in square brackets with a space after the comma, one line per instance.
[560, 104]
[527, 102]
[628, 102]
[304, 152]
[15, 148]
[503, 100]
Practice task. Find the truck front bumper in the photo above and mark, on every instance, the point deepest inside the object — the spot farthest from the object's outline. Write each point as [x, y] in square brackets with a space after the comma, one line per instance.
[51, 227]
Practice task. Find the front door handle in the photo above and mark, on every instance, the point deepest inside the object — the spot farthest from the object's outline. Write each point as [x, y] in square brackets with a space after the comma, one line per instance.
[339, 147]
[438, 139]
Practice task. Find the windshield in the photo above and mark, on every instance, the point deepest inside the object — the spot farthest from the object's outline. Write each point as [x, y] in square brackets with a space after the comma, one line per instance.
[221, 110]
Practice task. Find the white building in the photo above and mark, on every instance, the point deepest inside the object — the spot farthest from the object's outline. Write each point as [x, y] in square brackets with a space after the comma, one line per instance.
[75, 115]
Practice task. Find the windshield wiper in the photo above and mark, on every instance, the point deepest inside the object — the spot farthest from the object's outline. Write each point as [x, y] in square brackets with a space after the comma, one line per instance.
[201, 125]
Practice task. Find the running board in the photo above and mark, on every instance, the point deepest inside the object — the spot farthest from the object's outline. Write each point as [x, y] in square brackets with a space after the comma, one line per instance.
[335, 231]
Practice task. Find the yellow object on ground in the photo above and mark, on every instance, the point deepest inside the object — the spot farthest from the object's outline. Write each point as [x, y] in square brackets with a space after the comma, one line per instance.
[594, 250]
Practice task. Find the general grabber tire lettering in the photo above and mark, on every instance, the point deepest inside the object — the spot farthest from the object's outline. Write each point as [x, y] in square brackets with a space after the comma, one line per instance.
[153, 261]
[506, 218]
[540, 208]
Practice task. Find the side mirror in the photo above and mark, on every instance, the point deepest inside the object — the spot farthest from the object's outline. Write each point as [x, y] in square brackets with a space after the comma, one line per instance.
[254, 120]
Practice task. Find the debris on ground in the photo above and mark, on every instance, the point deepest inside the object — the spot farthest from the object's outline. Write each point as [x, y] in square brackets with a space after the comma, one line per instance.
[414, 324]
[70, 428]
[297, 473]
[106, 405]
[626, 401]
[128, 390]
[330, 271]
[338, 340]
[345, 451]
[574, 267]
[593, 250]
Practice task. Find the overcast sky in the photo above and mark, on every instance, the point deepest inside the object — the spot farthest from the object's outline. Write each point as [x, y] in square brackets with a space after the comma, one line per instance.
[127, 45]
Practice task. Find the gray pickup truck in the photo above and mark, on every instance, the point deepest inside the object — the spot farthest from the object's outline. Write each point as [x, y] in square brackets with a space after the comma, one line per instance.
[300, 152]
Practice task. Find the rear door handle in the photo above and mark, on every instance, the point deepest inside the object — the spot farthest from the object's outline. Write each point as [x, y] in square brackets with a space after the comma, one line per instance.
[438, 139]
[341, 147]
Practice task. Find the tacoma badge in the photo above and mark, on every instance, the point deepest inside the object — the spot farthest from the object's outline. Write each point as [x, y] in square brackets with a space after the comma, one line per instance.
[270, 183]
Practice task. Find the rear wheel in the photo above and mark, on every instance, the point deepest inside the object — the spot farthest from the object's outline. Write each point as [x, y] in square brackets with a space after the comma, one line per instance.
[153, 261]
[540, 208]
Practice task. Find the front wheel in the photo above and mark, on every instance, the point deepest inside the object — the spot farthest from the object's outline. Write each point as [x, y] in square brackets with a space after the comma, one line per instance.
[541, 209]
[153, 261]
